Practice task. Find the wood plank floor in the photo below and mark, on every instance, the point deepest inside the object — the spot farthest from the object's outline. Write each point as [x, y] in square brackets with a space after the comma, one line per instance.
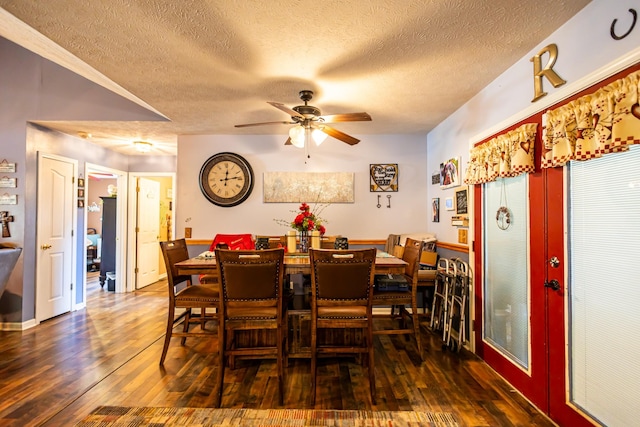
[107, 354]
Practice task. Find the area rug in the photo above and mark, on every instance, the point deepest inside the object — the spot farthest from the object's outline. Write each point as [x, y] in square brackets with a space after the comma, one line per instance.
[201, 417]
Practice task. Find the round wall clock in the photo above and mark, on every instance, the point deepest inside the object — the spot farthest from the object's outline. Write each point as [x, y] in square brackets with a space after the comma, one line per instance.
[226, 179]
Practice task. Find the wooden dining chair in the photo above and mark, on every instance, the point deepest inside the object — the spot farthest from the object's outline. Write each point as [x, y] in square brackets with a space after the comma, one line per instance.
[252, 298]
[399, 299]
[341, 297]
[184, 295]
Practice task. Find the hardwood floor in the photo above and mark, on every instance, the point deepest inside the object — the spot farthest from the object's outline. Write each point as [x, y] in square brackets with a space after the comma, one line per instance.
[107, 354]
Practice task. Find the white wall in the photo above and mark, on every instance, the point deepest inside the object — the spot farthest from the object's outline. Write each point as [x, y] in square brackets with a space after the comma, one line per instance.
[267, 153]
[584, 45]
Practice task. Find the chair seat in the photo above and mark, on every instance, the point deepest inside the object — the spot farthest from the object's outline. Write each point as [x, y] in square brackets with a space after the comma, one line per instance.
[343, 312]
[251, 312]
[427, 275]
[399, 295]
[197, 293]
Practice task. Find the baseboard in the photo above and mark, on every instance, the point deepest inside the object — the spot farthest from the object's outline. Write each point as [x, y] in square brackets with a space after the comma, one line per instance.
[17, 326]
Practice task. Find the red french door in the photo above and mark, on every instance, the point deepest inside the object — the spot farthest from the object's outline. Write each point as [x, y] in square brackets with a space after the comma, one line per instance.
[544, 380]
[530, 378]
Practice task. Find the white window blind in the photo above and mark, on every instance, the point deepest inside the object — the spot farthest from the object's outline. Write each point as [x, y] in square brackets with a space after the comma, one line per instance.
[506, 291]
[604, 286]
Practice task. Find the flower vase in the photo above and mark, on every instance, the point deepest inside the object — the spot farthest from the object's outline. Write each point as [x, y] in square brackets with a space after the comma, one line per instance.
[304, 241]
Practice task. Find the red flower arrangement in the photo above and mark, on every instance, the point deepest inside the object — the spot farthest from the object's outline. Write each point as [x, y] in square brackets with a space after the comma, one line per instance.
[306, 220]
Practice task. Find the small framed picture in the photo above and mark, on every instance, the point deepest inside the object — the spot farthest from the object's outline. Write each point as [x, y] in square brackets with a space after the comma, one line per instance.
[435, 209]
[450, 173]
[80, 192]
[448, 203]
[81, 203]
[461, 201]
[80, 182]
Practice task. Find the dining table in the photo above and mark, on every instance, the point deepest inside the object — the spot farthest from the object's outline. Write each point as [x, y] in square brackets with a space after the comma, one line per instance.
[298, 303]
[294, 263]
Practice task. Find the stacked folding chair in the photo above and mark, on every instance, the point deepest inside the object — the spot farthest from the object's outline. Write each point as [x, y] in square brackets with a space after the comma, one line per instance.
[440, 305]
[457, 306]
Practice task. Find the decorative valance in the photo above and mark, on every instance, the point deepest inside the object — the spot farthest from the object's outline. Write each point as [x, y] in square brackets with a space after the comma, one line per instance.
[506, 155]
[605, 121]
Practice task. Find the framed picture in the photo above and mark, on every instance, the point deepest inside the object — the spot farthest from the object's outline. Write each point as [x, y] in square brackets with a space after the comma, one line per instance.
[80, 192]
[81, 203]
[384, 177]
[448, 203]
[461, 201]
[435, 209]
[462, 235]
[450, 173]
[435, 178]
[80, 182]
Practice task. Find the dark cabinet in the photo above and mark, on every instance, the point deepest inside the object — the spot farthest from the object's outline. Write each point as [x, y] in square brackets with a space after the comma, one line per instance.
[108, 254]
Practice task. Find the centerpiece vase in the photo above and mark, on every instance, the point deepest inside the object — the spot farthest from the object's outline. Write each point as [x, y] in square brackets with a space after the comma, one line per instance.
[304, 241]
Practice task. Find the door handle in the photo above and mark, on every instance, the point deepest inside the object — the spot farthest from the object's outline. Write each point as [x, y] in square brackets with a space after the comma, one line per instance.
[553, 284]
[45, 247]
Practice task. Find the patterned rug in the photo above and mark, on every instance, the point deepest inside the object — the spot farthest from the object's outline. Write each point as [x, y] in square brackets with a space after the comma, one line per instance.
[201, 417]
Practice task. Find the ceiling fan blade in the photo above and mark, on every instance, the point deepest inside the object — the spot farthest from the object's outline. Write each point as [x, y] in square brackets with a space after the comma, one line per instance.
[288, 142]
[265, 123]
[338, 135]
[348, 117]
[289, 111]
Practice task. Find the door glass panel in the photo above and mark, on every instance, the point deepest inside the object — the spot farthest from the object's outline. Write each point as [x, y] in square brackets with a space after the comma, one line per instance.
[506, 292]
[604, 272]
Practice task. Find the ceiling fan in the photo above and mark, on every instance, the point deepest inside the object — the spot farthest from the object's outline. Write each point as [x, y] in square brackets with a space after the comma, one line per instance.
[310, 122]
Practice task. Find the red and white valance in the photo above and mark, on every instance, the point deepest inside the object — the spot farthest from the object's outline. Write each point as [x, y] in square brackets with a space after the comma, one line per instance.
[606, 121]
[506, 155]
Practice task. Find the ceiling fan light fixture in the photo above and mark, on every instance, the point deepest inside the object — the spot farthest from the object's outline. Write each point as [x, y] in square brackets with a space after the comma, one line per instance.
[318, 136]
[142, 146]
[297, 135]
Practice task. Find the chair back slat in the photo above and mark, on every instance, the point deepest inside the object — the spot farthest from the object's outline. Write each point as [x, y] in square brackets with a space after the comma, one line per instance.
[411, 255]
[174, 251]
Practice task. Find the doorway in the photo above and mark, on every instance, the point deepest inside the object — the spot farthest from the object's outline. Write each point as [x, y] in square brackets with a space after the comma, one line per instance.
[144, 234]
[103, 182]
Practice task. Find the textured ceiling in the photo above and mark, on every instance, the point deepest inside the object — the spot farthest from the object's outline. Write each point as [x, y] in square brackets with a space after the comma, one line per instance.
[208, 65]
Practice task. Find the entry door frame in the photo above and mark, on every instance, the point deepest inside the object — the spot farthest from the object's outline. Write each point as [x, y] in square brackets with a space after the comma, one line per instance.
[132, 218]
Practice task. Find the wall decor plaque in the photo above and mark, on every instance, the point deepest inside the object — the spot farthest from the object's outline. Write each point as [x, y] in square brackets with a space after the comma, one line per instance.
[7, 182]
[8, 199]
[309, 187]
[384, 177]
[7, 167]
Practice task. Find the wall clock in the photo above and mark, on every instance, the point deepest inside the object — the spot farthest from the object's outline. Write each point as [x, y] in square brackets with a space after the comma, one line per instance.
[226, 179]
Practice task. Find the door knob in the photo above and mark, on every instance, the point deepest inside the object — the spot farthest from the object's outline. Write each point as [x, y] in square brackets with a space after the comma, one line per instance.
[553, 284]
[45, 247]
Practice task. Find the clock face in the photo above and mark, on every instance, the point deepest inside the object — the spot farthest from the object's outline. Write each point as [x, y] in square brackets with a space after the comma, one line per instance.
[226, 179]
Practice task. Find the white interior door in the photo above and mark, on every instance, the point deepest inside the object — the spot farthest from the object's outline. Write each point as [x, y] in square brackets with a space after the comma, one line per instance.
[148, 220]
[54, 259]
